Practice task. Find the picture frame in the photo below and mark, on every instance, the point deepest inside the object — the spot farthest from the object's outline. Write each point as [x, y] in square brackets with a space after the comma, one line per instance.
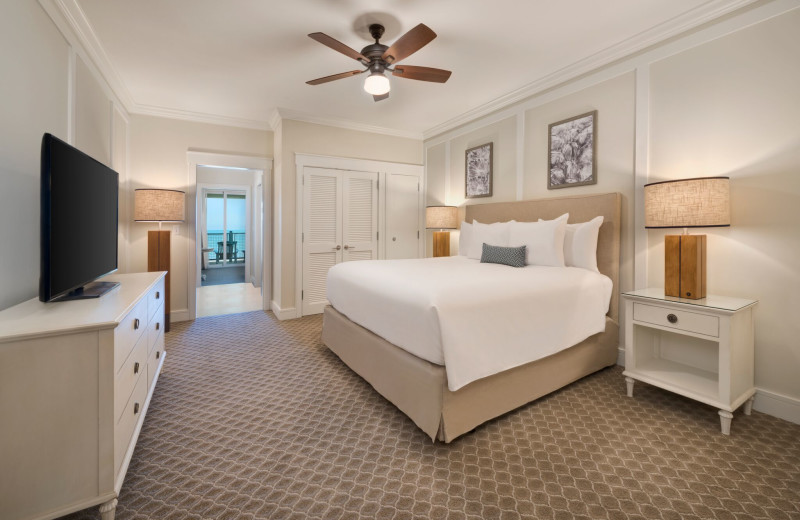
[478, 169]
[572, 152]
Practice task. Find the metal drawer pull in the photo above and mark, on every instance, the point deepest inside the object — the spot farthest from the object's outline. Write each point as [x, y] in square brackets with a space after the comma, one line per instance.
[158, 354]
[158, 325]
[136, 324]
[672, 318]
[158, 295]
[136, 368]
[135, 408]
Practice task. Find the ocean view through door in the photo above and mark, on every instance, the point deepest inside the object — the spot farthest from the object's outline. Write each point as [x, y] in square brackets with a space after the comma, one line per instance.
[225, 233]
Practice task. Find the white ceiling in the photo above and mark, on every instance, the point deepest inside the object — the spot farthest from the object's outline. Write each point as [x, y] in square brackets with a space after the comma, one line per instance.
[242, 59]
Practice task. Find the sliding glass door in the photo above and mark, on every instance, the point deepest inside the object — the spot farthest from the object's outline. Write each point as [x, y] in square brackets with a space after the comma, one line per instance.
[226, 228]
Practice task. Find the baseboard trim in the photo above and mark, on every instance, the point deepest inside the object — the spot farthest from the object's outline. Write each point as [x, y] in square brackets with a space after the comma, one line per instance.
[282, 314]
[179, 315]
[777, 405]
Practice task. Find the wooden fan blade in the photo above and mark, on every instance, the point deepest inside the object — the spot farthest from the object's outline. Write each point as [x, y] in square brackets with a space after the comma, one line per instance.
[381, 97]
[409, 43]
[334, 77]
[338, 46]
[422, 73]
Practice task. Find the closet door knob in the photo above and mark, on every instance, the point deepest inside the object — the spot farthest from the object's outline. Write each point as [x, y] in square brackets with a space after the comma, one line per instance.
[346, 247]
[339, 247]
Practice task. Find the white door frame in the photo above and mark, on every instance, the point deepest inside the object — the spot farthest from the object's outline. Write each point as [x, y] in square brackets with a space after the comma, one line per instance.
[195, 159]
[303, 160]
[225, 188]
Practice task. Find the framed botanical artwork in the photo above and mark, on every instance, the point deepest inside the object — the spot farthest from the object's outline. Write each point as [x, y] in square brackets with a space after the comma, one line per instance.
[479, 171]
[572, 147]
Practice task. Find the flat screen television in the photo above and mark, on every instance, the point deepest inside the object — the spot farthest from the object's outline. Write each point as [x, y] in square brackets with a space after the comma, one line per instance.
[79, 208]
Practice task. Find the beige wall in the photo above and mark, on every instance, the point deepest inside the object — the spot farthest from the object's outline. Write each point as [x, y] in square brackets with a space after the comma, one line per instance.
[723, 105]
[614, 101]
[731, 107]
[37, 70]
[158, 159]
[300, 137]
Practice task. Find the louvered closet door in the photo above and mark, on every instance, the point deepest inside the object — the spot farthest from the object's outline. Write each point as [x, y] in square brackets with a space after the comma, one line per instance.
[322, 234]
[360, 216]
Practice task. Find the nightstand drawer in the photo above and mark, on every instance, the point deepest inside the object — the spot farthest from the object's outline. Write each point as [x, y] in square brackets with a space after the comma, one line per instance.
[681, 320]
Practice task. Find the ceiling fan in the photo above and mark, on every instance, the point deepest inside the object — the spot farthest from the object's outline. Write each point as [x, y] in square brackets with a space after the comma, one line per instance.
[379, 58]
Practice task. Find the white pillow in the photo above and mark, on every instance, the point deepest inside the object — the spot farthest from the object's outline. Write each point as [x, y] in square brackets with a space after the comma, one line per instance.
[543, 240]
[464, 238]
[580, 244]
[493, 234]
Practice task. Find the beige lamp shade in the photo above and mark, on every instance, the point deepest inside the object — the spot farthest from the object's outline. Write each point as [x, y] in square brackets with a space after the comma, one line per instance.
[441, 217]
[701, 202]
[158, 205]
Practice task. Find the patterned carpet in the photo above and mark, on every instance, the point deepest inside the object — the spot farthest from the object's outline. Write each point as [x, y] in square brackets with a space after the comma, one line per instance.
[254, 418]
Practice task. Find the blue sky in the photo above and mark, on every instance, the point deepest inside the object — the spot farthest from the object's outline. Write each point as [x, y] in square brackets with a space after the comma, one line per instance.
[236, 214]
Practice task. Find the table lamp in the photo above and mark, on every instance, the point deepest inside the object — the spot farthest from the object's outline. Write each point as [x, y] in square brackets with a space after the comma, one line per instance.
[441, 218]
[152, 205]
[687, 203]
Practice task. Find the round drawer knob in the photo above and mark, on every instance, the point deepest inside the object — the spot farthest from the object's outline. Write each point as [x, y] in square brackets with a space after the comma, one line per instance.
[135, 408]
[672, 318]
[136, 368]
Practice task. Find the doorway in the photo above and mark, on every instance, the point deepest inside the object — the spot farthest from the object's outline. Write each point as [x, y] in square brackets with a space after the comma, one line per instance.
[225, 237]
[229, 241]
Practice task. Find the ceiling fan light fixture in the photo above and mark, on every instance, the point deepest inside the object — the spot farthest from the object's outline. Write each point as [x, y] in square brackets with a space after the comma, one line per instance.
[377, 84]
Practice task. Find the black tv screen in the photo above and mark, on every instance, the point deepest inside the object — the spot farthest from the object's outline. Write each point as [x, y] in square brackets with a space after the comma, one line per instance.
[78, 221]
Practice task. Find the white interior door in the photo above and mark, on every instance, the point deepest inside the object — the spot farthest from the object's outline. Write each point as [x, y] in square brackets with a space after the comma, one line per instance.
[360, 216]
[402, 216]
[322, 234]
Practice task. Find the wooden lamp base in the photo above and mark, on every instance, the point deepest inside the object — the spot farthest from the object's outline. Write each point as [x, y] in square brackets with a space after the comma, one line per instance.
[158, 258]
[441, 243]
[685, 266]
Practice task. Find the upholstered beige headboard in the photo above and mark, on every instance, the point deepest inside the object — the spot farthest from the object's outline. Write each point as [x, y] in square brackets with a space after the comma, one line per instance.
[581, 208]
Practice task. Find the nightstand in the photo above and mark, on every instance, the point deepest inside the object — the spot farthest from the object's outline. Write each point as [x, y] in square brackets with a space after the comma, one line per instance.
[701, 349]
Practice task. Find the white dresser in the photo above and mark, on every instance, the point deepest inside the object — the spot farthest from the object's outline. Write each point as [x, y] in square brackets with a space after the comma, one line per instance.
[76, 379]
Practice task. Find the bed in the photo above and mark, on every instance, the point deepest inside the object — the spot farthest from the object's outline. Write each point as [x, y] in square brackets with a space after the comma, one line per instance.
[418, 384]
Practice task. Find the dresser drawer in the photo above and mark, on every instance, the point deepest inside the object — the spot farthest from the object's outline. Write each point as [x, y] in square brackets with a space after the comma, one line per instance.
[128, 333]
[675, 319]
[155, 298]
[155, 329]
[154, 359]
[127, 423]
[130, 374]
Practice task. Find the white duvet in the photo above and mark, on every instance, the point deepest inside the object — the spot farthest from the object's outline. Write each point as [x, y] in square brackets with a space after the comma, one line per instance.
[475, 319]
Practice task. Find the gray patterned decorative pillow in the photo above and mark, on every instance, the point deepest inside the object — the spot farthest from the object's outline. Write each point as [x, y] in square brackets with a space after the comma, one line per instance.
[513, 256]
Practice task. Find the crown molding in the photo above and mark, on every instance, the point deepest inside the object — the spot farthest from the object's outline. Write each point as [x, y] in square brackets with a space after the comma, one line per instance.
[199, 117]
[295, 115]
[275, 119]
[673, 27]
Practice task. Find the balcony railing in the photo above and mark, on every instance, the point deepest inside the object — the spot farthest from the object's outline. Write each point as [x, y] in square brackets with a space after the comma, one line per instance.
[235, 244]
